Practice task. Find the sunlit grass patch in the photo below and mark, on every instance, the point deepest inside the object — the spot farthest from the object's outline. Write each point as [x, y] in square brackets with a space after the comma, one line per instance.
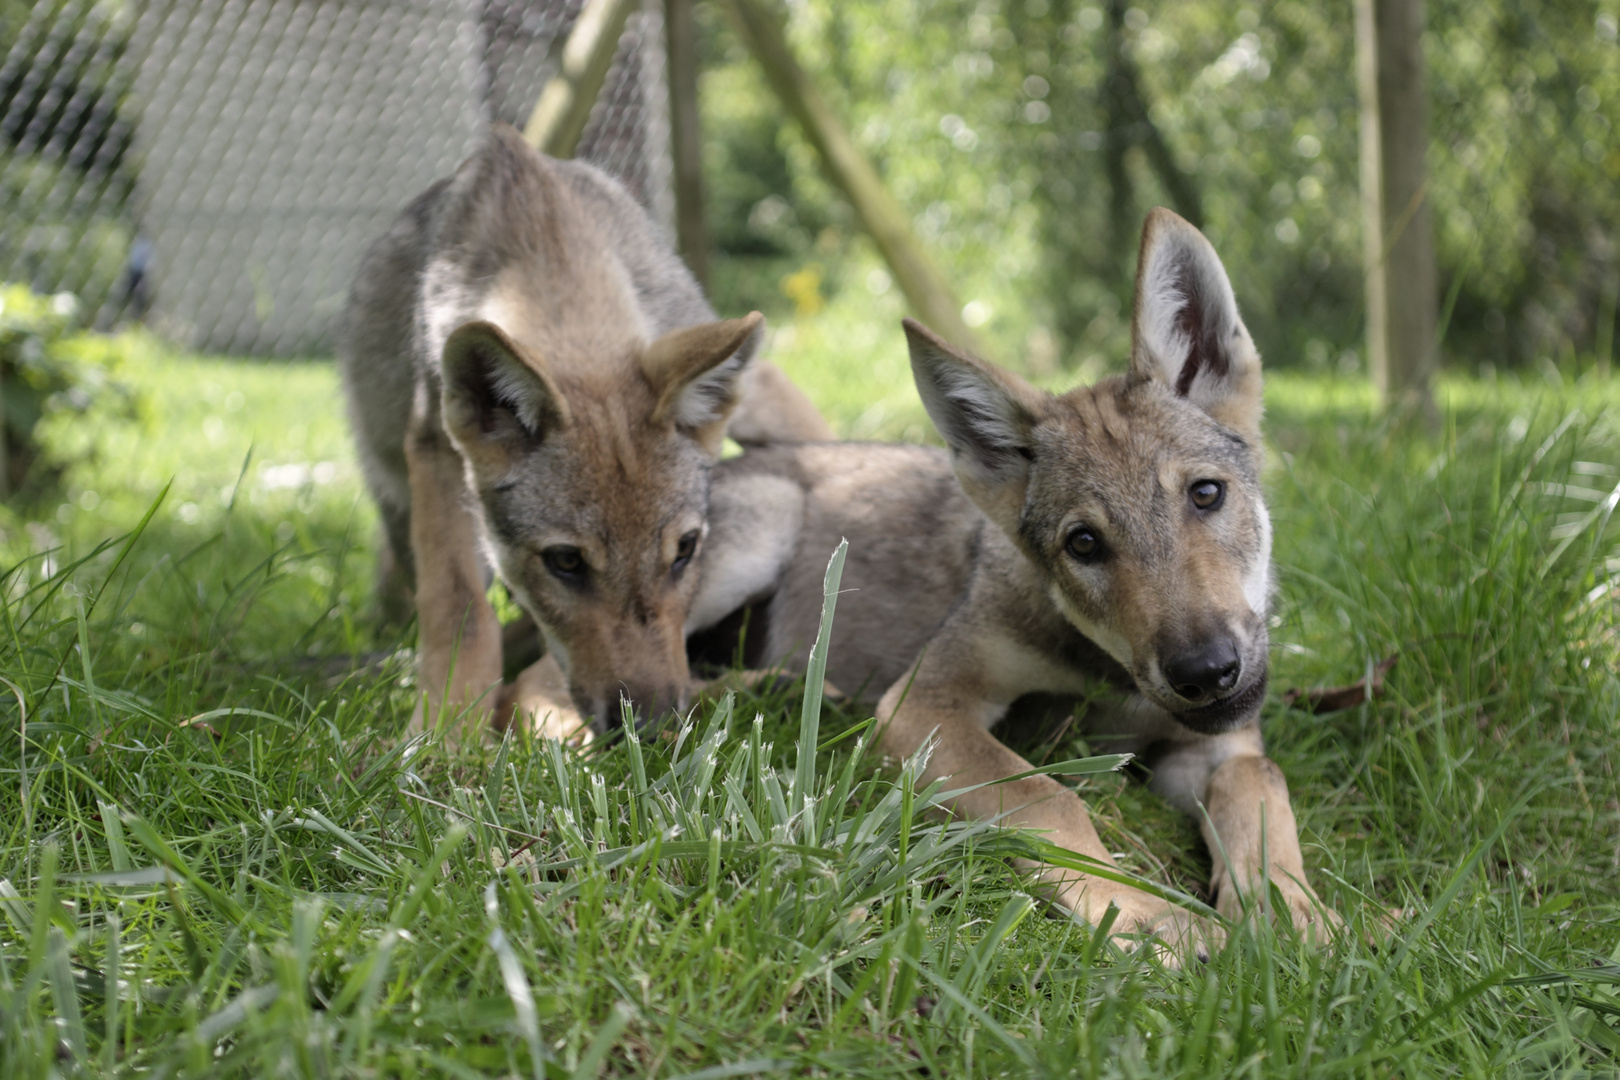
[219, 859]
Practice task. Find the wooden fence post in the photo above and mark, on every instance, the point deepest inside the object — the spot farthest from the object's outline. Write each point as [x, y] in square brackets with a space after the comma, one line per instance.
[685, 138]
[926, 288]
[559, 117]
[1398, 237]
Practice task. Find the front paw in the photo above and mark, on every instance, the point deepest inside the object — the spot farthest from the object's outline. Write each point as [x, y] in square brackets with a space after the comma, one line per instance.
[1306, 912]
[1142, 921]
[541, 713]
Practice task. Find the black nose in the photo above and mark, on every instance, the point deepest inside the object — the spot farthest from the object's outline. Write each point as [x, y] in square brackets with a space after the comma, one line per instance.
[1205, 671]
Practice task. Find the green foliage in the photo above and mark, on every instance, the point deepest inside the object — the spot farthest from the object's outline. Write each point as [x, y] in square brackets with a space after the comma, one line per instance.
[989, 120]
[65, 171]
[51, 375]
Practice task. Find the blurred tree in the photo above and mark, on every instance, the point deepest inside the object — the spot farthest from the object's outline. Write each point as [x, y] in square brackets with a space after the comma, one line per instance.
[988, 120]
[1129, 124]
[930, 294]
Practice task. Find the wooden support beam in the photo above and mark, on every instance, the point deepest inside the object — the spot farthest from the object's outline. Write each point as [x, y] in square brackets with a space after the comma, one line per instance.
[686, 137]
[1398, 237]
[559, 117]
[926, 288]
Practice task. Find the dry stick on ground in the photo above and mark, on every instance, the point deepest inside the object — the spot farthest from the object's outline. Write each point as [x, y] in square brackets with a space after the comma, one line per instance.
[560, 115]
[925, 287]
[1339, 698]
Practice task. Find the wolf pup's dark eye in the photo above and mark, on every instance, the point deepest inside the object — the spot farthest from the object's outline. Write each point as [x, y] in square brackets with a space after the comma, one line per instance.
[684, 551]
[565, 563]
[1207, 494]
[1083, 544]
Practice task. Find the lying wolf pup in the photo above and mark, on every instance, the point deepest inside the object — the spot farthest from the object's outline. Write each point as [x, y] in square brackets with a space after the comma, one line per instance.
[1130, 538]
[536, 381]
[1116, 532]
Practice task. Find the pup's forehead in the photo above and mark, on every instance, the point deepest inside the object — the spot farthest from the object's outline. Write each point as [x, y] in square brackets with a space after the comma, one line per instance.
[1115, 449]
[604, 483]
[630, 477]
[1121, 421]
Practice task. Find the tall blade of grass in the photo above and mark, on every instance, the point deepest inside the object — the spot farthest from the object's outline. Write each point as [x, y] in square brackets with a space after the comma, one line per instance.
[1599, 515]
[751, 1067]
[253, 1000]
[65, 996]
[22, 762]
[516, 983]
[815, 676]
[111, 1000]
[1090, 766]
[112, 825]
[590, 1062]
[15, 908]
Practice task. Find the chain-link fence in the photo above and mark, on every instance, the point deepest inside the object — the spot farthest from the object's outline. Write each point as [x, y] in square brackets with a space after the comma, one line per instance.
[219, 166]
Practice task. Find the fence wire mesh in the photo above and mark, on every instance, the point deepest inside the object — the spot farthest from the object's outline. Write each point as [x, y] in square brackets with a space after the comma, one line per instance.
[219, 166]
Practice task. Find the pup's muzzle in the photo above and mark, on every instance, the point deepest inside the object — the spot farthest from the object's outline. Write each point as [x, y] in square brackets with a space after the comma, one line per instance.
[648, 705]
[1204, 673]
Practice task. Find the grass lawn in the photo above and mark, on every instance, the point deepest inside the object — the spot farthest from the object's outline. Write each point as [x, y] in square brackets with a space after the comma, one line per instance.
[217, 860]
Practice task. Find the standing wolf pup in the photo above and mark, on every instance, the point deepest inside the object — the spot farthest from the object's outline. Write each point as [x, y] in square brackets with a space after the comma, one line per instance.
[536, 381]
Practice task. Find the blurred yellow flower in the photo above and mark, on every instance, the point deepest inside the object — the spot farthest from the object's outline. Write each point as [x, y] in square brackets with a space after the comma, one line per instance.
[803, 287]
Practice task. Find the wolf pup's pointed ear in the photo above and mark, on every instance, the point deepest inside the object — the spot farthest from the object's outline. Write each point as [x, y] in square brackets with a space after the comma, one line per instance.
[1186, 332]
[984, 414]
[493, 393]
[695, 372]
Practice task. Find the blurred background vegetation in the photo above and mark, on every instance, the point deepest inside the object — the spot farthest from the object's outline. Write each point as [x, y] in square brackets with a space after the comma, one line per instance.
[1026, 139]
[67, 176]
[1005, 128]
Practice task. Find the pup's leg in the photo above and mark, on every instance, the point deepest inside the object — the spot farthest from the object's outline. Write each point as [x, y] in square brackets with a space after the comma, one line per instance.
[460, 638]
[968, 754]
[772, 409]
[1252, 822]
[394, 581]
[538, 701]
[1240, 800]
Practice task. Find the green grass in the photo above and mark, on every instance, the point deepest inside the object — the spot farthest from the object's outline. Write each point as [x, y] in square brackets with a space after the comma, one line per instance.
[217, 860]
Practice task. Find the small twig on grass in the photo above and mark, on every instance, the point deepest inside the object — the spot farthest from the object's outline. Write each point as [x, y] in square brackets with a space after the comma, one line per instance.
[1338, 698]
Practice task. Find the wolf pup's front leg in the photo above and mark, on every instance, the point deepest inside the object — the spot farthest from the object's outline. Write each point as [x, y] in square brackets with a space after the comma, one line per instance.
[459, 635]
[1238, 796]
[960, 689]
[538, 702]
[1254, 840]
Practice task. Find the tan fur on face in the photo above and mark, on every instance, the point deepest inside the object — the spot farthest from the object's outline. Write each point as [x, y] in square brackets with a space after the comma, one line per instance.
[1118, 458]
[622, 489]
